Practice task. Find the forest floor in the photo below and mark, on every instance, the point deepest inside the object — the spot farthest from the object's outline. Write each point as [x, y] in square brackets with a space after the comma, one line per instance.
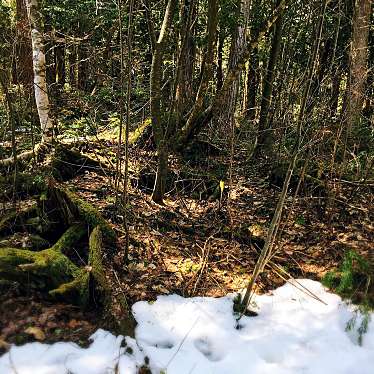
[200, 246]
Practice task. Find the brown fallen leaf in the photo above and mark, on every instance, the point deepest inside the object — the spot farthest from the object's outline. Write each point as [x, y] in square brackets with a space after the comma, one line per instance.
[4, 346]
[36, 332]
[73, 323]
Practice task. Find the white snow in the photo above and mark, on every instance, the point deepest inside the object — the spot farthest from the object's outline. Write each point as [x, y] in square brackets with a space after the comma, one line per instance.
[292, 334]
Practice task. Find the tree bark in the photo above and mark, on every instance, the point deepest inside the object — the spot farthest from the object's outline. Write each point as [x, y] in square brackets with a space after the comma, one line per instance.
[251, 87]
[193, 120]
[72, 53]
[23, 69]
[82, 67]
[266, 137]
[39, 66]
[184, 89]
[219, 75]
[238, 41]
[358, 62]
[158, 122]
[60, 65]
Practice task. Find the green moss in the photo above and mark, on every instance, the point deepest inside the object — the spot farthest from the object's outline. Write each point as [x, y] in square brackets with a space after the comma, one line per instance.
[87, 213]
[48, 266]
[139, 131]
[116, 310]
[79, 286]
[95, 258]
[72, 235]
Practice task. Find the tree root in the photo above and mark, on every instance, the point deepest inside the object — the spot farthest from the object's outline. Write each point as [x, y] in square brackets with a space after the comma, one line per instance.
[49, 267]
[73, 207]
[24, 156]
[116, 309]
[56, 270]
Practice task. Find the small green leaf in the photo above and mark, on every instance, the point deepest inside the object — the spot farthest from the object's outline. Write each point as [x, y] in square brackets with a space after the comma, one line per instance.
[43, 196]
[221, 185]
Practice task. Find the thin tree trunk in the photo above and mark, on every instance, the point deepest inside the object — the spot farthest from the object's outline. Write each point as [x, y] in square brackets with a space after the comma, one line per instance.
[159, 128]
[82, 67]
[72, 66]
[236, 49]
[219, 75]
[335, 92]
[358, 62]
[251, 87]
[266, 137]
[60, 65]
[184, 89]
[23, 69]
[39, 65]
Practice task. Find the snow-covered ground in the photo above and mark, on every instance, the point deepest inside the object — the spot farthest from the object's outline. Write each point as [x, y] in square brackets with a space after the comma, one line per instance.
[293, 333]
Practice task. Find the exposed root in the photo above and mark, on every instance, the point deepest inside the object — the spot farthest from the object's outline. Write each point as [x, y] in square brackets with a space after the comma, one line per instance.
[73, 207]
[56, 270]
[116, 310]
[27, 155]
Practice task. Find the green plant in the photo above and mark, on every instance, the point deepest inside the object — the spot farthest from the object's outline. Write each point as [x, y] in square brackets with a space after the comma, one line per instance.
[352, 274]
[300, 220]
[351, 281]
[362, 311]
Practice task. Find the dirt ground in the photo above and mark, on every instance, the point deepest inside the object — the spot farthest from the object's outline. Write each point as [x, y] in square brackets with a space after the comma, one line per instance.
[206, 245]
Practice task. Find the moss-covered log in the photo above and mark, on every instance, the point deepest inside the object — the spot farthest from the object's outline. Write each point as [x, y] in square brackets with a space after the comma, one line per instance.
[45, 270]
[27, 241]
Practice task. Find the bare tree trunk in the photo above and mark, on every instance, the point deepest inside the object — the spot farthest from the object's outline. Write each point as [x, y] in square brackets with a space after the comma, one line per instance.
[82, 67]
[335, 92]
[219, 75]
[236, 49]
[40, 83]
[184, 89]
[60, 65]
[22, 68]
[72, 66]
[251, 87]
[265, 137]
[358, 62]
[159, 127]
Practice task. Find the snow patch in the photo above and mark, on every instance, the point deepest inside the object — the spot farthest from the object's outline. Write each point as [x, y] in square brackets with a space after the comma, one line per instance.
[292, 334]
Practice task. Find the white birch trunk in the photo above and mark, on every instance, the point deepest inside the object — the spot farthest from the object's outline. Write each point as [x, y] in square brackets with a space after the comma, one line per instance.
[39, 66]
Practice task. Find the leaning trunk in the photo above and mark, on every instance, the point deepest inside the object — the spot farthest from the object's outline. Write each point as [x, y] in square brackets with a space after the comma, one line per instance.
[22, 64]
